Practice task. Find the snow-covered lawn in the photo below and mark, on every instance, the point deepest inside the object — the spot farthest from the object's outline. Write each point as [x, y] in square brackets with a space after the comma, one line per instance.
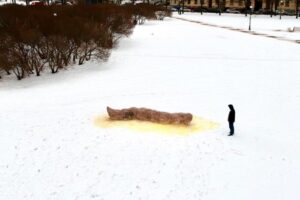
[51, 149]
[259, 23]
[4, 2]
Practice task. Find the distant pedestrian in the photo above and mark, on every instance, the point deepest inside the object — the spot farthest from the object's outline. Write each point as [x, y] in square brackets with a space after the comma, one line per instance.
[134, 22]
[231, 119]
[179, 9]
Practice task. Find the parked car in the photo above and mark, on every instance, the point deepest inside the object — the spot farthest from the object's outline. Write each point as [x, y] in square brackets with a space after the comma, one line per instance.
[289, 12]
[36, 3]
[198, 9]
[58, 2]
[174, 9]
[180, 8]
[212, 10]
[138, 2]
[230, 10]
[187, 10]
[264, 11]
[124, 2]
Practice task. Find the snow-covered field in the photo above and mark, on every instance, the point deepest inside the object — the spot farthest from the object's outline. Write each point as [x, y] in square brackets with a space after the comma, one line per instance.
[51, 149]
[4, 2]
[263, 24]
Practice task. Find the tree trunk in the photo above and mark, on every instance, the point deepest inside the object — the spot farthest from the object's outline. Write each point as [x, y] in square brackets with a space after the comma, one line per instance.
[81, 60]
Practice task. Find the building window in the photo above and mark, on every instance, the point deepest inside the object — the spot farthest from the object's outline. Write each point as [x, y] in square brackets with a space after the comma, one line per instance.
[241, 2]
[231, 2]
[189, 1]
[195, 1]
[287, 3]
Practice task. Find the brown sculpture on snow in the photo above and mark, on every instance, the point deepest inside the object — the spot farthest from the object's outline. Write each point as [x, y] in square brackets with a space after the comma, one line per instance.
[145, 114]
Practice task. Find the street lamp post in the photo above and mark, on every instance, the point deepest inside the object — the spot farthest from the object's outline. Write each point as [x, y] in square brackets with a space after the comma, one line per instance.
[297, 9]
[281, 4]
[246, 7]
[201, 6]
[250, 18]
[219, 6]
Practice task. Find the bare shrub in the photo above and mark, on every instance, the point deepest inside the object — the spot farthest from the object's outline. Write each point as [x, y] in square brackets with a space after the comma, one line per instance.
[6, 63]
[35, 38]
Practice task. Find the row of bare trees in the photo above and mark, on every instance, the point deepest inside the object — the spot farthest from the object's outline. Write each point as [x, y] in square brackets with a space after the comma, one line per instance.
[50, 38]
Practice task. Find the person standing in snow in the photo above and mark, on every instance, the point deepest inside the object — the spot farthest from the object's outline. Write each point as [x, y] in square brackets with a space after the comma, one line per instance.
[231, 119]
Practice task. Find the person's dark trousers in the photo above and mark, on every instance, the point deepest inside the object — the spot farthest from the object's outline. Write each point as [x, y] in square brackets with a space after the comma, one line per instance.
[231, 127]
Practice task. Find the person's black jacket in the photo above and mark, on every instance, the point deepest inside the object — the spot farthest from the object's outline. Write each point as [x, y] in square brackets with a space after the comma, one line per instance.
[231, 116]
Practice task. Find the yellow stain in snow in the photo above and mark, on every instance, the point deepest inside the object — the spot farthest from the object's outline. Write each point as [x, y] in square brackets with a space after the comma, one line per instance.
[197, 125]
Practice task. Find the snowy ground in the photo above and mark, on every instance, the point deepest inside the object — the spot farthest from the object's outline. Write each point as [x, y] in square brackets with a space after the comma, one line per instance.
[263, 24]
[50, 148]
[4, 2]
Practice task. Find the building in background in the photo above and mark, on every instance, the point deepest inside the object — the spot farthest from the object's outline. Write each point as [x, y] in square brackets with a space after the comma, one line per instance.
[263, 6]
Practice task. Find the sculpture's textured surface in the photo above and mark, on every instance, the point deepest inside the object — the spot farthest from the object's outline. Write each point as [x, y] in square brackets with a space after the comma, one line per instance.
[145, 114]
